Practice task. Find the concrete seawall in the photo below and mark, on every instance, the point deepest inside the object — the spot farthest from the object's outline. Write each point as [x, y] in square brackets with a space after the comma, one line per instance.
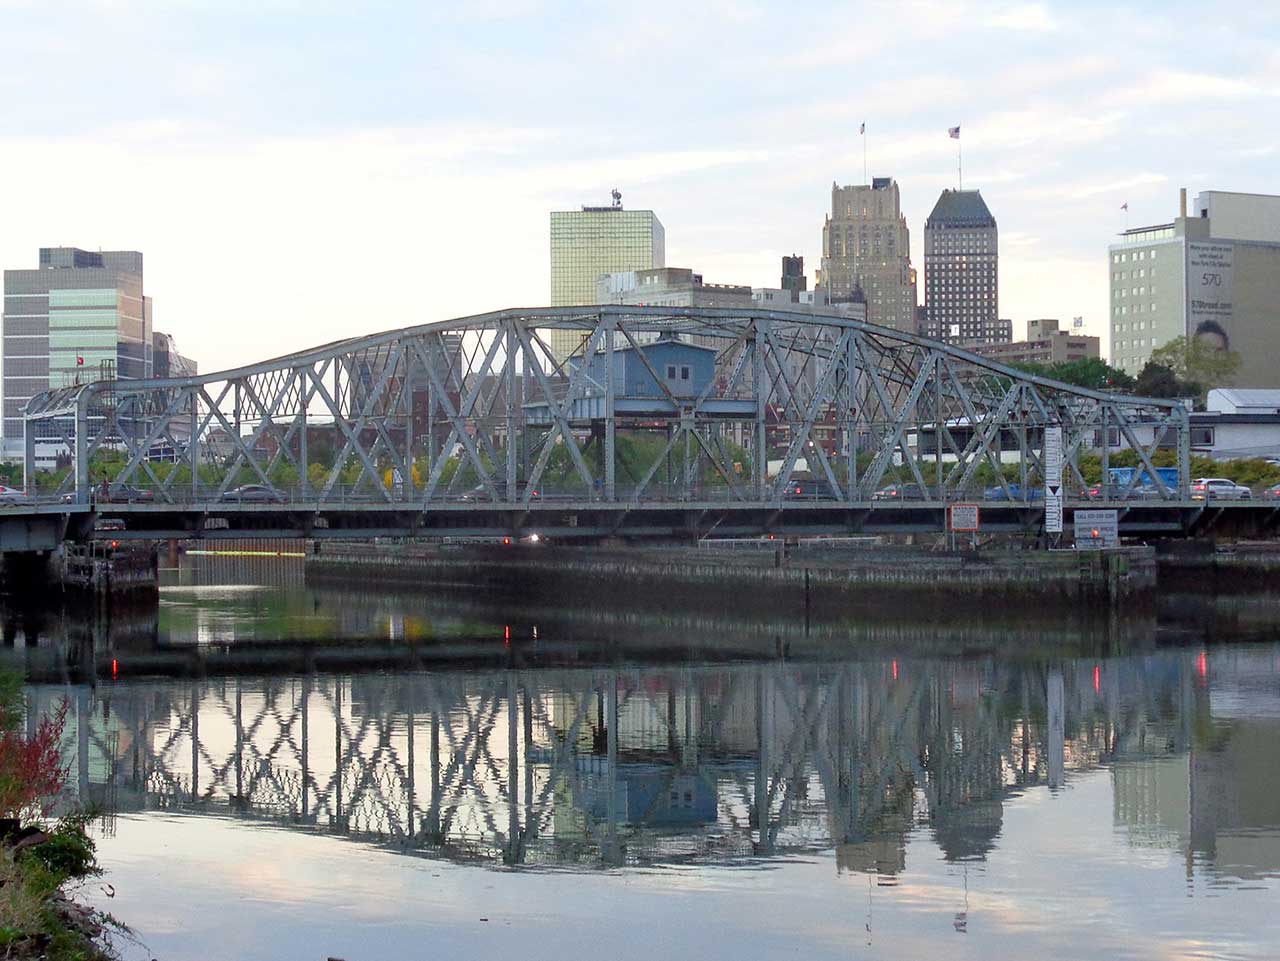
[815, 583]
[1219, 570]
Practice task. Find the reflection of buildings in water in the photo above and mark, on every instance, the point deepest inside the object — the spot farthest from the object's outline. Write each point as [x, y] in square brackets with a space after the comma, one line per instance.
[1150, 799]
[1235, 797]
[635, 765]
[1201, 774]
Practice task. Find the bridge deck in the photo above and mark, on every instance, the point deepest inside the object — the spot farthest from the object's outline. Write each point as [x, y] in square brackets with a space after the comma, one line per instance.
[587, 519]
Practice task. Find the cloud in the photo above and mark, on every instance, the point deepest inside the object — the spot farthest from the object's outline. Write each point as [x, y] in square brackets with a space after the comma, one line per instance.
[342, 173]
[1180, 86]
[1110, 187]
[1026, 16]
[1264, 151]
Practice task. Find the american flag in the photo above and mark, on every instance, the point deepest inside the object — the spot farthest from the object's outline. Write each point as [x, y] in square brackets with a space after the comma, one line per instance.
[954, 132]
[863, 127]
[1125, 206]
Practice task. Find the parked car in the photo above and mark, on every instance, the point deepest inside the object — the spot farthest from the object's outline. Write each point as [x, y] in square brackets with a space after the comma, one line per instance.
[807, 489]
[1272, 493]
[481, 493]
[1219, 489]
[12, 495]
[1139, 492]
[901, 492]
[1016, 492]
[120, 494]
[253, 494]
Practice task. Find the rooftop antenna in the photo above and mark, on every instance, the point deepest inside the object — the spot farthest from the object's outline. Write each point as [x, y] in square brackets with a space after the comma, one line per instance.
[617, 199]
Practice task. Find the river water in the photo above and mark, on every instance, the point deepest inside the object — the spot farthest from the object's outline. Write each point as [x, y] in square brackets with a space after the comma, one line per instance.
[295, 771]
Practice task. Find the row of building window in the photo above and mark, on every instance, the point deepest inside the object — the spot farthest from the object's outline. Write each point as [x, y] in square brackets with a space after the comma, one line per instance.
[26, 367]
[1140, 291]
[100, 297]
[1124, 257]
[1137, 309]
[1120, 275]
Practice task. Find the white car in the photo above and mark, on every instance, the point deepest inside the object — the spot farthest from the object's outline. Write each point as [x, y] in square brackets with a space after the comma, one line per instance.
[1219, 488]
[9, 495]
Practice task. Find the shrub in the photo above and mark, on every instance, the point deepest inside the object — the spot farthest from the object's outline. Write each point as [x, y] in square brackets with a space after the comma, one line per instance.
[69, 851]
[31, 768]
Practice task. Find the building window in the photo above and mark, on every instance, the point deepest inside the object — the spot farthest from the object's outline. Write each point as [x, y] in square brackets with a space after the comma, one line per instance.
[671, 371]
[684, 373]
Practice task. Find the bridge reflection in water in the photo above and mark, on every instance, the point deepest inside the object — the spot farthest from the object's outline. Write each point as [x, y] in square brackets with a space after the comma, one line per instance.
[604, 767]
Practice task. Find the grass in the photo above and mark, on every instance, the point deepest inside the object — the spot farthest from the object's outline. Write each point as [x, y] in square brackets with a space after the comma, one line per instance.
[36, 920]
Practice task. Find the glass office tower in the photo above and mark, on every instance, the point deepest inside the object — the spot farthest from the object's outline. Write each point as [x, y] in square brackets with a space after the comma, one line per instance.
[80, 316]
[593, 241]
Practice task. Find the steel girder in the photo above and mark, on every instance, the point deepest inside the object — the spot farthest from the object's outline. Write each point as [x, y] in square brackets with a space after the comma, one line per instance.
[478, 408]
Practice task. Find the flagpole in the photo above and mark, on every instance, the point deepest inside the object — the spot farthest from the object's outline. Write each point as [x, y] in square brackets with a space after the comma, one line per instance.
[864, 154]
[960, 163]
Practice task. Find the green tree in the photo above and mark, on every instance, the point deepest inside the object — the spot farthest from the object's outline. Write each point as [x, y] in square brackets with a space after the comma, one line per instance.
[1093, 373]
[1090, 372]
[1197, 363]
[1158, 380]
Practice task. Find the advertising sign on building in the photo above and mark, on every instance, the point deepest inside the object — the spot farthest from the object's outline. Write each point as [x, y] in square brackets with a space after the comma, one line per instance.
[1210, 287]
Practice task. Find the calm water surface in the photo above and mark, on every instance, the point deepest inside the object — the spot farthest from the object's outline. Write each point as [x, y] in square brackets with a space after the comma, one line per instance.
[683, 789]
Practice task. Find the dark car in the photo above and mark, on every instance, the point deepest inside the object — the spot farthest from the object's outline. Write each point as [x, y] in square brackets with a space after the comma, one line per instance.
[901, 492]
[253, 494]
[1120, 492]
[807, 489]
[1016, 492]
[119, 494]
[1272, 493]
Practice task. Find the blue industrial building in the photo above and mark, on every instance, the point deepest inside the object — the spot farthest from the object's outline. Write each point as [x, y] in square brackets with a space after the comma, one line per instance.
[685, 369]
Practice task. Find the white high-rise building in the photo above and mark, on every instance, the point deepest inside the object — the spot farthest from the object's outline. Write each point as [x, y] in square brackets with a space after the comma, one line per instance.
[1213, 275]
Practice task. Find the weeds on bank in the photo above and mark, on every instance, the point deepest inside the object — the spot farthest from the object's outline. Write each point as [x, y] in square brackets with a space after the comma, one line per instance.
[38, 862]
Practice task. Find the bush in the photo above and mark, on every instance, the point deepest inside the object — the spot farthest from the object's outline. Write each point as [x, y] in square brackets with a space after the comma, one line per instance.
[69, 852]
[31, 768]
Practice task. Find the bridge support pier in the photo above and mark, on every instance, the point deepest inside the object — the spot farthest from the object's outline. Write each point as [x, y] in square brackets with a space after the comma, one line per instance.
[22, 571]
[107, 571]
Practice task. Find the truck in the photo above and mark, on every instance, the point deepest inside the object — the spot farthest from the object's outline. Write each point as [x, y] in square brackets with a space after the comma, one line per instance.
[1119, 480]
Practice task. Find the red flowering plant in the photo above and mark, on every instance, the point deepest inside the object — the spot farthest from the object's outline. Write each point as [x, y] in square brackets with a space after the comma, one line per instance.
[32, 771]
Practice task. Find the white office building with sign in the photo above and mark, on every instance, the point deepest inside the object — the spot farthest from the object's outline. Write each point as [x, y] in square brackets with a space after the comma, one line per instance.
[1213, 274]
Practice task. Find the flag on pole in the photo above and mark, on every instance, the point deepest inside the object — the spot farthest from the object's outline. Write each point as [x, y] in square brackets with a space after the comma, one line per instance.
[863, 128]
[1125, 206]
[954, 132]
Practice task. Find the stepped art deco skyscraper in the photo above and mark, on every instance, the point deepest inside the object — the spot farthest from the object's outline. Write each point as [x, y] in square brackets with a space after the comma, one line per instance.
[866, 246]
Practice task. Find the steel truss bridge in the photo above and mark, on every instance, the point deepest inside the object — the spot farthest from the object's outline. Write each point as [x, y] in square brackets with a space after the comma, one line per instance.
[627, 766]
[790, 423]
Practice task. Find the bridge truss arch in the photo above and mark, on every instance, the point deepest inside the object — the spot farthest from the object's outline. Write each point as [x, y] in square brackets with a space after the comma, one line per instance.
[659, 405]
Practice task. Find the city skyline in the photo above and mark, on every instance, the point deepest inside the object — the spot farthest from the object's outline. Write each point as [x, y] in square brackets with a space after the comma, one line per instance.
[300, 182]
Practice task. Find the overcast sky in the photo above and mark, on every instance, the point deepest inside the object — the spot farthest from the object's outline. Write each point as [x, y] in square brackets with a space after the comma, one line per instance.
[300, 171]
